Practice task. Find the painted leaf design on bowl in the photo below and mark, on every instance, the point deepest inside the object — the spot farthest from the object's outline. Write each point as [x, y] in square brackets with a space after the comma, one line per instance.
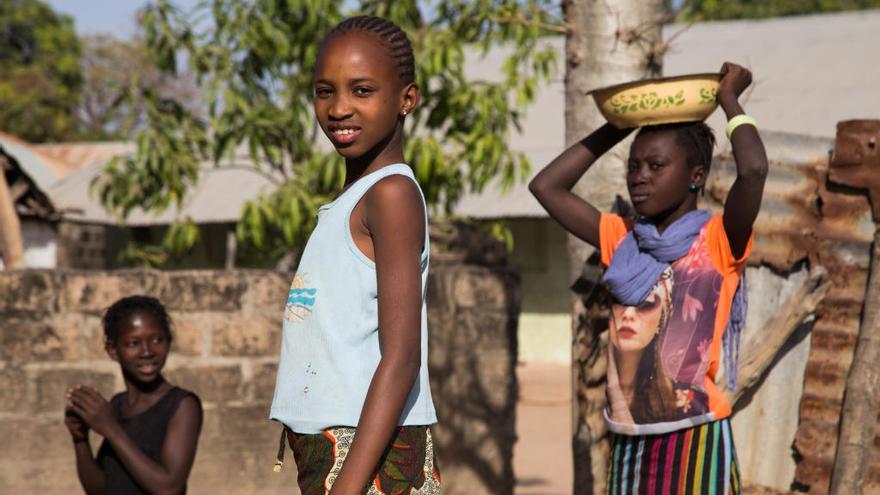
[650, 101]
[707, 95]
[628, 103]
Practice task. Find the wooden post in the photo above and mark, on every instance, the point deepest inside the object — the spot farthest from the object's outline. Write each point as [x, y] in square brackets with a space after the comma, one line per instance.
[231, 248]
[858, 421]
[856, 163]
[11, 246]
[760, 348]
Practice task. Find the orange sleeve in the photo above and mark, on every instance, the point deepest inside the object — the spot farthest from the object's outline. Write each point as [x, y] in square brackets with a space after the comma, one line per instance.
[612, 230]
[730, 268]
[719, 247]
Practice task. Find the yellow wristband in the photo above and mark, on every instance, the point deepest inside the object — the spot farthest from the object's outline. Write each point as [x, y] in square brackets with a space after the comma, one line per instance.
[738, 121]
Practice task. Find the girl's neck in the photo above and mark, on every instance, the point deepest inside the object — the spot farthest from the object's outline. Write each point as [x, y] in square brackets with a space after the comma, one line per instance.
[667, 218]
[387, 152]
[137, 389]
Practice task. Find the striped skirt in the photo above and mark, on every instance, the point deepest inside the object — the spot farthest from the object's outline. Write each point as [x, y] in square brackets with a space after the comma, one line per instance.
[699, 460]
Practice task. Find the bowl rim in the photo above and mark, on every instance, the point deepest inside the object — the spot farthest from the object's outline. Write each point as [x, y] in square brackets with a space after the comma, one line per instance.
[620, 86]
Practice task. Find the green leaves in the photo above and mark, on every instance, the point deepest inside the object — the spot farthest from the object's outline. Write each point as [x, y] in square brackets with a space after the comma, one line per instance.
[255, 60]
[165, 165]
[706, 10]
[181, 236]
[41, 82]
[283, 219]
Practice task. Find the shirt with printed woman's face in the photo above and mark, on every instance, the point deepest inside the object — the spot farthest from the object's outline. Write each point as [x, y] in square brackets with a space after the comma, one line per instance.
[664, 352]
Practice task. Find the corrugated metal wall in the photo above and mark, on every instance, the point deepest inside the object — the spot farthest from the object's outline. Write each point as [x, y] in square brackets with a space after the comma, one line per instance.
[788, 431]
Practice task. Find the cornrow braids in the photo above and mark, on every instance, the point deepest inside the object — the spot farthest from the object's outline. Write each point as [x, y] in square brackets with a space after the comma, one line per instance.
[696, 138]
[390, 35]
[121, 312]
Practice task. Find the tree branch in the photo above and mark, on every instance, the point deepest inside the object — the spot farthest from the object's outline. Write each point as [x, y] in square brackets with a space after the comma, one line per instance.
[11, 245]
[761, 347]
[521, 20]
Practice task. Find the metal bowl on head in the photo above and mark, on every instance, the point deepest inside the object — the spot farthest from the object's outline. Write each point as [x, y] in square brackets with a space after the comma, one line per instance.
[666, 100]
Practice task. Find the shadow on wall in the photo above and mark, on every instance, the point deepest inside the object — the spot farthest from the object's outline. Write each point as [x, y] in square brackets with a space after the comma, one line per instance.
[227, 332]
[473, 380]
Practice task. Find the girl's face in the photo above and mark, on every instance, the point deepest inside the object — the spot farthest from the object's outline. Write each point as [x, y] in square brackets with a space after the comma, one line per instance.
[359, 97]
[633, 327]
[141, 348]
[658, 176]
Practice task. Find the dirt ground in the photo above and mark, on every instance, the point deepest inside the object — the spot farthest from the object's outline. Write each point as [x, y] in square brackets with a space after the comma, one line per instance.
[542, 461]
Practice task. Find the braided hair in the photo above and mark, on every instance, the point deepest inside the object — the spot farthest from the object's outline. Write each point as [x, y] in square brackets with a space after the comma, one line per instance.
[696, 138]
[390, 35]
[121, 312]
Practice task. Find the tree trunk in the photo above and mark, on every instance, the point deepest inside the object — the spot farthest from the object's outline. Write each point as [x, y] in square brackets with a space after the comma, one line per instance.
[608, 42]
[858, 421]
[11, 250]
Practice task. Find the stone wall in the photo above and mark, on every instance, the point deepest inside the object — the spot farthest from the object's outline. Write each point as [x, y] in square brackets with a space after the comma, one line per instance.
[227, 331]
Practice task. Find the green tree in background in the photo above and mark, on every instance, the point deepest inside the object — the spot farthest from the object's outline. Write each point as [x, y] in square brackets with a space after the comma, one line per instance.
[706, 10]
[41, 77]
[254, 61]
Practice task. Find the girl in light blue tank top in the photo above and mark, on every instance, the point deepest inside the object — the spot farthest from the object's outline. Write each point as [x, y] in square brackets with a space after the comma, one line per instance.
[352, 382]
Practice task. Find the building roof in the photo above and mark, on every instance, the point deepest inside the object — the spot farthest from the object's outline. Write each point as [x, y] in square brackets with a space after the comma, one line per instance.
[79, 155]
[810, 72]
[64, 172]
[28, 174]
[219, 197]
[43, 169]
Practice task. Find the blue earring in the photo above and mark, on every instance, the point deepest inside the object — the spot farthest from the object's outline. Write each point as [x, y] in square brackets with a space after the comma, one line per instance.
[693, 188]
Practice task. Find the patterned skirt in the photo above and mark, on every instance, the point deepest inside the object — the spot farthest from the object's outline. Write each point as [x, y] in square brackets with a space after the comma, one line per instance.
[406, 468]
[699, 460]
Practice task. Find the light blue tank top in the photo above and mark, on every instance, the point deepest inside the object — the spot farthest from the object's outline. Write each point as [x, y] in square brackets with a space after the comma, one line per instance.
[330, 340]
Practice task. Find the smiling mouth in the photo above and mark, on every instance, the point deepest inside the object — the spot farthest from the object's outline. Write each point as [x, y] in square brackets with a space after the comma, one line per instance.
[148, 369]
[344, 135]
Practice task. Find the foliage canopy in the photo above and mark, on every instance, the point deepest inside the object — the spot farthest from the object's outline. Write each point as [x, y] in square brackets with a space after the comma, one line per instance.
[254, 61]
[41, 77]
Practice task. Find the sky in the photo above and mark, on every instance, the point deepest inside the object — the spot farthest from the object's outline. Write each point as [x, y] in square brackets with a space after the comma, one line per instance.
[116, 17]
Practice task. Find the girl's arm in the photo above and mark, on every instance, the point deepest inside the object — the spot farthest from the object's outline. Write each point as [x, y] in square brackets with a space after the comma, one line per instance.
[552, 186]
[395, 218]
[178, 450]
[91, 477]
[744, 199]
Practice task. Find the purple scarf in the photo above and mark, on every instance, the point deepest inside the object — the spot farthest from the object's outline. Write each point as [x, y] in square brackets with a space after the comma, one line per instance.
[644, 254]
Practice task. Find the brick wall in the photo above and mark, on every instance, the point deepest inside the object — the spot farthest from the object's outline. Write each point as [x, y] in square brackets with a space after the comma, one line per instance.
[227, 331]
[81, 245]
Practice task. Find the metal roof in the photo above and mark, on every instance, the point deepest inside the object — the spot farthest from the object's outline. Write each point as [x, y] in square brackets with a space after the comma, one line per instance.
[79, 155]
[805, 219]
[218, 197]
[42, 169]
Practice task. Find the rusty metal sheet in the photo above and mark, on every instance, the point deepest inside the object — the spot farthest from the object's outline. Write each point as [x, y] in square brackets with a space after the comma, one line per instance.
[856, 159]
[80, 155]
[806, 219]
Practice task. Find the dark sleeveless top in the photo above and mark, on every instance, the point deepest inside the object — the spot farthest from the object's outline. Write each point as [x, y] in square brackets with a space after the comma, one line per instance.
[147, 430]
